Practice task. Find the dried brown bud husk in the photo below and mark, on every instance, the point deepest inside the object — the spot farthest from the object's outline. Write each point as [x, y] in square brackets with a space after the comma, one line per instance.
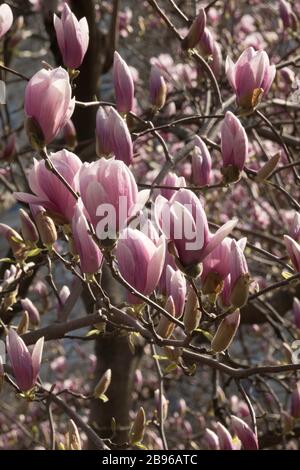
[24, 324]
[267, 168]
[192, 313]
[46, 228]
[34, 134]
[226, 332]
[165, 326]
[138, 427]
[240, 292]
[73, 437]
[103, 384]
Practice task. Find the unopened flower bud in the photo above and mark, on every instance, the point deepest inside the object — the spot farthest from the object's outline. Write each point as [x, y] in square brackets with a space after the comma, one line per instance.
[295, 401]
[226, 332]
[245, 434]
[46, 228]
[28, 228]
[103, 384]
[73, 437]
[14, 240]
[23, 324]
[195, 32]
[296, 312]
[158, 88]
[70, 135]
[192, 313]
[267, 168]
[138, 427]
[165, 404]
[1, 374]
[30, 308]
[211, 439]
[182, 407]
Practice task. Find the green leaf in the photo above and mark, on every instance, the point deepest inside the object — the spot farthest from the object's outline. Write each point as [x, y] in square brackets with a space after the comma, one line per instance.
[92, 333]
[205, 333]
[7, 260]
[33, 252]
[160, 358]
[103, 398]
[286, 274]
[170, 368]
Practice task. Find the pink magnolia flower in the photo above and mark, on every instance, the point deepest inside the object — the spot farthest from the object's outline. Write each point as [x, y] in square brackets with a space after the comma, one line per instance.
[289, 18]
[196, 31]
[109, 185]
[88, 251]
[171, 179]
[29, 231]
[157, 87]
[140, 261]
[234, 147]
[103, 134]
[245, 434]
[123, 83]
[183, 221]
[176, 288]
[252, 72]
[293, 249]
[296, 312]
[72, 37]
[6, 19]
[211, 439]
[49, 191]
[119, 137]
[201, 163]
[225, 438]
[70, 135]
[30, 308]
[25, 366]
[295, 401]
[216, 266]
[206, 43]
[294, 230]
[48, 104]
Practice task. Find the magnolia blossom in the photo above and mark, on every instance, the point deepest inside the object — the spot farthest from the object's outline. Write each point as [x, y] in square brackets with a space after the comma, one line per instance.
[184, 223]
[250, 77]
[140, 261]
[72, 37]
[25, 366]
[89, 253]
[6, 19]
[293, 249]
[49, 191]
[234, 147]
[201, 163]
[123, 83]
[48, 105]
[110, 195]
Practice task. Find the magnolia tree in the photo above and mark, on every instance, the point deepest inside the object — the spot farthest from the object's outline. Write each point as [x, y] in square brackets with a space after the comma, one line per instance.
[149, 288]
